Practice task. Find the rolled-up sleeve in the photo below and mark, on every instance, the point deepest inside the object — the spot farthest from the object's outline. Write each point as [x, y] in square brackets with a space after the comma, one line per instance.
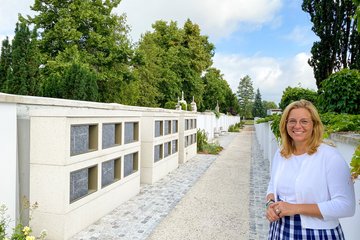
[341, 189]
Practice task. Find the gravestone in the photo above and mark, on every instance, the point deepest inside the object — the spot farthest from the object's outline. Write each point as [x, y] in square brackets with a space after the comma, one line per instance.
[79, 184]
[107, 173]
[79, 139]
[108, 135]
[157, 153]
[129, 132]
[128, 164]
[157, 128]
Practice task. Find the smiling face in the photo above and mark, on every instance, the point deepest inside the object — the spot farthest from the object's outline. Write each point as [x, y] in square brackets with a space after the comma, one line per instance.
[299, 126]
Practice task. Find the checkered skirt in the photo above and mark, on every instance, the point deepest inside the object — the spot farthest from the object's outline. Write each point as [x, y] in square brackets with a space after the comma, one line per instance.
[289, 228]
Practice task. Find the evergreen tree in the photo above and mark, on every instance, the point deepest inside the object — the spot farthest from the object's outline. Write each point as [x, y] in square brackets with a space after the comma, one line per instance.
[245, 95]
[5, 62]
[232, 104]
[339, 46]
[258, 108]
[23, 74]
[70, 78]
[79, 83]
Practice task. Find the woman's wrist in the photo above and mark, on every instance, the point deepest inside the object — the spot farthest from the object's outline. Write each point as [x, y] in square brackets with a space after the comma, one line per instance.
[269, 202]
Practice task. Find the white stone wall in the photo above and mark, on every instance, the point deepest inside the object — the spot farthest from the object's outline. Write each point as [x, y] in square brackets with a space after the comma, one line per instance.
[347, 146]
[213, 126]
[8, 158]
[35, 141]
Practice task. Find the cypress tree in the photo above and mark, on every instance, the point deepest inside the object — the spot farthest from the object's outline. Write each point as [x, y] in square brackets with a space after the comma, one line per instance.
[5, 62]
[23, 74]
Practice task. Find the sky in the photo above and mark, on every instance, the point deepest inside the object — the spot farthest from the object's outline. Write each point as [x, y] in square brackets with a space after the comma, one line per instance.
[268, 40]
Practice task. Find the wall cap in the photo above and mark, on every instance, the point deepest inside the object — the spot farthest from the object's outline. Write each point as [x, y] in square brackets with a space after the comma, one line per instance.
[346, 137]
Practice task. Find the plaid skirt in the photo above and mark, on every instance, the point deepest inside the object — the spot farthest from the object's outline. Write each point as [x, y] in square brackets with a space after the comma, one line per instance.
[289, 228]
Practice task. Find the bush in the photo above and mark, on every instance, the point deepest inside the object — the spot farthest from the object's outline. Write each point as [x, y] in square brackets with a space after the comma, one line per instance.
[340, 92]
[203, 146]
[355, 163]
[236, 127]
[294, 94]
[334, 122]
[170, 105]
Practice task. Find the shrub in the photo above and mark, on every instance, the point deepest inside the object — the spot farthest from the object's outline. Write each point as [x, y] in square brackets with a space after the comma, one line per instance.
[170, 105]
[340, 92]
[334, 122]
[21, 231]
[203, 146]
[355, 163]
[201, 139]
[297, 93]
[236, 127]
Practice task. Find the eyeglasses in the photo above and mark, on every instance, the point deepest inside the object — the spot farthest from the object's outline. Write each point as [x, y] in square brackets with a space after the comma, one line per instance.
[303, 122]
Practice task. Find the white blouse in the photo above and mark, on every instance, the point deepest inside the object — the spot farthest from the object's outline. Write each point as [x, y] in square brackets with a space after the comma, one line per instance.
[322, 178]
[287, 179]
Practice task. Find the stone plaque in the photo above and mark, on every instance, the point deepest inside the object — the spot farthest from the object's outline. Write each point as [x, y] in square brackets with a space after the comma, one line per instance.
[167, 149]
[107, 172]
[108, 135]
[128, 164]
[157, 153]
[157, 128]
[174, 146]
[186, 141]
[129, 132]
[167, 127]
[79, 139]
[79, 184]
[175, 126]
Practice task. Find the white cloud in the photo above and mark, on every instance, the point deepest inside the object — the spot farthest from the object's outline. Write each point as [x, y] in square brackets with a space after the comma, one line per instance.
[270, 75]
[301, 35]
[217, 19]
[9, 15]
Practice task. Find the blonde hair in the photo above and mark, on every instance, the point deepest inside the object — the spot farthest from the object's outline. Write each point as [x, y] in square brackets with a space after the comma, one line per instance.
[315, 140]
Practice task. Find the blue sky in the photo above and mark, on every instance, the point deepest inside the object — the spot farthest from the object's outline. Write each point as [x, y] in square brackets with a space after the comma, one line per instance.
[269, 40]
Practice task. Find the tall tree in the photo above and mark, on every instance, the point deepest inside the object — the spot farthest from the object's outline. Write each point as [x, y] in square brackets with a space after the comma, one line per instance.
[357, 14]
[339, 44]
[231, 103]
[215, 90]
[5, 62]
[245, 95]
[100, 37]
[258, 107]
[196, 54]
[23, 76]
[173, 60]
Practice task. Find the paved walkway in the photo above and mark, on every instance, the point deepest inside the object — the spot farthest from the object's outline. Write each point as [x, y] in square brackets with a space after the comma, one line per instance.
[208, 197]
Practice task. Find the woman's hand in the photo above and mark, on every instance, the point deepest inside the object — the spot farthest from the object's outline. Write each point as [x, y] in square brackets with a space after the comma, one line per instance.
[271, 214]
[282, 209]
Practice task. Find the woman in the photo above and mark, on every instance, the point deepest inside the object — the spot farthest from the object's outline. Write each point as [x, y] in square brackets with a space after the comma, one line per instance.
[310, 186]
